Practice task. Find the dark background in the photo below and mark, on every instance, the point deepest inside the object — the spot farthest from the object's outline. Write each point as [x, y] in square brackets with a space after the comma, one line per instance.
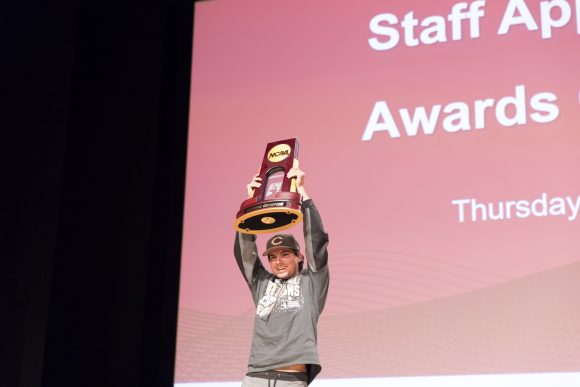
[94, 132]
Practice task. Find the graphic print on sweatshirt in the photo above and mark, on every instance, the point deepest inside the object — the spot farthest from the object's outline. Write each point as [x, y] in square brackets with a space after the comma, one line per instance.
[281, 296]
[291, 298]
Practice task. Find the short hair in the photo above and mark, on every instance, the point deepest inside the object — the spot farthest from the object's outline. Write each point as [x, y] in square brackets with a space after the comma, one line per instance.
[299, 255]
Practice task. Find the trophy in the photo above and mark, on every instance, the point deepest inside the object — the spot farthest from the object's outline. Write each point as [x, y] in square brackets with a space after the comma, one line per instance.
[275, 205]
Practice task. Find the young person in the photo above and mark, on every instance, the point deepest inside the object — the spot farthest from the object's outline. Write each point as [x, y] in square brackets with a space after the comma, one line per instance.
[288, 300]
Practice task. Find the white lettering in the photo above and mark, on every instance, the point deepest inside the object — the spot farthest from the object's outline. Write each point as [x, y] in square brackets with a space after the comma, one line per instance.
[543, 206]
[538, 102]
[546, 16]
[540, 206]
[510, 19]
[519, 103]
[433, 27]
[455, 17]
[377, 28]
[434, 31]
[409, 23]
[381, 112]
[553, 14]
[461, 203]
[557, 206]
[475, 13]
[456, 116]
[420, 119]
[523, 209]
[578, 17]
[574, 206]
[480, 106]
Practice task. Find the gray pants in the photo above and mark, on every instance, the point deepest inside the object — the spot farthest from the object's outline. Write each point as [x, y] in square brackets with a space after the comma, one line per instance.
[250, 381]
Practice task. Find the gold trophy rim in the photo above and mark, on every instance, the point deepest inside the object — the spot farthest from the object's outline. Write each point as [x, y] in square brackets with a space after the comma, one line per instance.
[264, 211]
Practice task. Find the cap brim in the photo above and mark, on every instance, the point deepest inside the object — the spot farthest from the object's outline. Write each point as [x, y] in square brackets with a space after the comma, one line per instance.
[265, 253]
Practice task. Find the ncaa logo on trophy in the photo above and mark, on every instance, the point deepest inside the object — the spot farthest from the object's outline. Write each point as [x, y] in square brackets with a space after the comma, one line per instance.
[275, 205]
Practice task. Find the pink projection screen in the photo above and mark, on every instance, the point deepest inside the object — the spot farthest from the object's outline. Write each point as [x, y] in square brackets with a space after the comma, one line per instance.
[441, 143]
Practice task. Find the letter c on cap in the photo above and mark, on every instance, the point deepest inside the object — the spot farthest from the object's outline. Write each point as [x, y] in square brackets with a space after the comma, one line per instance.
[276, 241]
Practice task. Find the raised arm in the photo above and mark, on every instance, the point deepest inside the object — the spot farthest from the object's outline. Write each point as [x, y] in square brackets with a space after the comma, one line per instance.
[246, 254]
[245, 249]
[315, 238]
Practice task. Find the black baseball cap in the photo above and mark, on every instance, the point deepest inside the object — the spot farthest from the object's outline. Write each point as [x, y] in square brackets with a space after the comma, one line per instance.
[281, 240]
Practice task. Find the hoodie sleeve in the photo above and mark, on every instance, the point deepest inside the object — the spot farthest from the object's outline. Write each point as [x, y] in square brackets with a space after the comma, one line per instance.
[315, 238]
[246, 254]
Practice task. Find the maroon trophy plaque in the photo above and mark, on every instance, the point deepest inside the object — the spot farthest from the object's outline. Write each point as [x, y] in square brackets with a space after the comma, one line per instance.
[275, 205]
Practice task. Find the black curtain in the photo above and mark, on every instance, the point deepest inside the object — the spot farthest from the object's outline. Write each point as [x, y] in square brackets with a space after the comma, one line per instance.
[93, 149]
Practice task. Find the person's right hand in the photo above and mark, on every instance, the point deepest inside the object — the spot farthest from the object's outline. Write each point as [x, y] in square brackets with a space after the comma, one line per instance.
[255, 183]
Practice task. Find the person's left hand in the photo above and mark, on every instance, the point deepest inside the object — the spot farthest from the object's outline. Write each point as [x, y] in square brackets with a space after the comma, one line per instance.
[299, 175]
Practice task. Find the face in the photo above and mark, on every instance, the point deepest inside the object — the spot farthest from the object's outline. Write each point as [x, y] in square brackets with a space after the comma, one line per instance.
[283, 262]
